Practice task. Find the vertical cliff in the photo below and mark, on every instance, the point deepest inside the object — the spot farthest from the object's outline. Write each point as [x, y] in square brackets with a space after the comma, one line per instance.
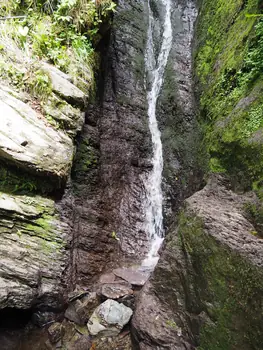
[206, 291]
[113, 154]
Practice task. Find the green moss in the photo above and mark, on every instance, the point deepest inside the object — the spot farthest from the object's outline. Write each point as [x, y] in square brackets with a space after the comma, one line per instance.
[228, 65]
[45, 228]
[254, 212]
[86, 158]
[16, 180]
[227, 287]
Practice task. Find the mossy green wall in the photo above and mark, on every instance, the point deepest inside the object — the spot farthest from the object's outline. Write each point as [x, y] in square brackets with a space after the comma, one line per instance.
[227, 287]
[228, 59]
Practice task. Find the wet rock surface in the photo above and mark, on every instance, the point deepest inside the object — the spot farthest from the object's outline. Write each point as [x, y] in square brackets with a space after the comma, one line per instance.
[202, 269]
[116, 290]
[132, 276]
[184, 158]
[107, 183]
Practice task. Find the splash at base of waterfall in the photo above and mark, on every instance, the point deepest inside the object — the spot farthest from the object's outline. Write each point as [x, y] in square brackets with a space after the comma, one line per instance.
[152, 258]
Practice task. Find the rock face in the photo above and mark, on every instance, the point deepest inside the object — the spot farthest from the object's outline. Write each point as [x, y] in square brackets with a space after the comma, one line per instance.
[207, 287]
[36, 157]
[113, 155]
[109, 318]
[183, 155]
[230, 102]
[33, 252]
[113, 158]
[26, 139]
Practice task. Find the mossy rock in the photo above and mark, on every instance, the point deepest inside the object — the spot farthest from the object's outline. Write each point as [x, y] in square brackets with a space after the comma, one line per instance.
[229, 73]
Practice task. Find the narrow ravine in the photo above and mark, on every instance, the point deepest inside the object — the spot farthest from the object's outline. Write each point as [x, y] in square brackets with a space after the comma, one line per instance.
[155, 69]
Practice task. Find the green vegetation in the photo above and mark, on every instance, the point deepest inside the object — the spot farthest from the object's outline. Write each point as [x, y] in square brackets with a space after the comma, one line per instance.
[172, 324]
[86, 158]
[62, 32]
[254, 212]
[229, 67]
[15, 180]
[227, 287]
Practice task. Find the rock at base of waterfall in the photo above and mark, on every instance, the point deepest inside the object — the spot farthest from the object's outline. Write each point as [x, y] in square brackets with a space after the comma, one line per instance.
[116, 290]
[55, 332]
[122, 341]
[132, 276]
[82, 342]
[109, 318]
[79, 311]
[107, 278]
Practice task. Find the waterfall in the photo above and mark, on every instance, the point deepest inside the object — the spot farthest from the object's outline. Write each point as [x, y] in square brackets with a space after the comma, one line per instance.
[155, 69]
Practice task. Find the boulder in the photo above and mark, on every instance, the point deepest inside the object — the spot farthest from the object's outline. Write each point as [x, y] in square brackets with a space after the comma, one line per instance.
[55, 332]
[107, 278]
[27, 140]
[109, 318]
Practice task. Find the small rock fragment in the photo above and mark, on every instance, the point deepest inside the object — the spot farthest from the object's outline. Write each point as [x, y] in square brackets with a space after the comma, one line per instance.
[55, 332]
[80, 310]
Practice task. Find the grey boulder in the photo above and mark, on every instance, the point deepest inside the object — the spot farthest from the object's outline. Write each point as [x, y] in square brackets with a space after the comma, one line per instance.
[109, 318]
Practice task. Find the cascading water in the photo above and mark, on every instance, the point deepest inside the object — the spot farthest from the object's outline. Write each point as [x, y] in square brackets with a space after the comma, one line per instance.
[155, 69]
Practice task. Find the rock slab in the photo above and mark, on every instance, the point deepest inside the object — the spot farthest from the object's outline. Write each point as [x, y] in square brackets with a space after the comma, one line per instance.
[132, 276]
[116, 290]
[27, 140]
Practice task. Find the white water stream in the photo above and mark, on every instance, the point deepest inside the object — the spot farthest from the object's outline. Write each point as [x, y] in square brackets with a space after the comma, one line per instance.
[155, 69]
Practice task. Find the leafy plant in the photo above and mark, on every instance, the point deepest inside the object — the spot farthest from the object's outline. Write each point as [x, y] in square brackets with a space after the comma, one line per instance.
[39, 84]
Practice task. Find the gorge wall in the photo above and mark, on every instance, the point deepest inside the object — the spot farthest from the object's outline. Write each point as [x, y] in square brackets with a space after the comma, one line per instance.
[206, 291]
[72, 202]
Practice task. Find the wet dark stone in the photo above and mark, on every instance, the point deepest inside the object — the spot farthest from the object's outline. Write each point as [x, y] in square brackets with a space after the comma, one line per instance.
[132, 276]
[55, 332]
[42, 319]
[116, 290]
[107, 189]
